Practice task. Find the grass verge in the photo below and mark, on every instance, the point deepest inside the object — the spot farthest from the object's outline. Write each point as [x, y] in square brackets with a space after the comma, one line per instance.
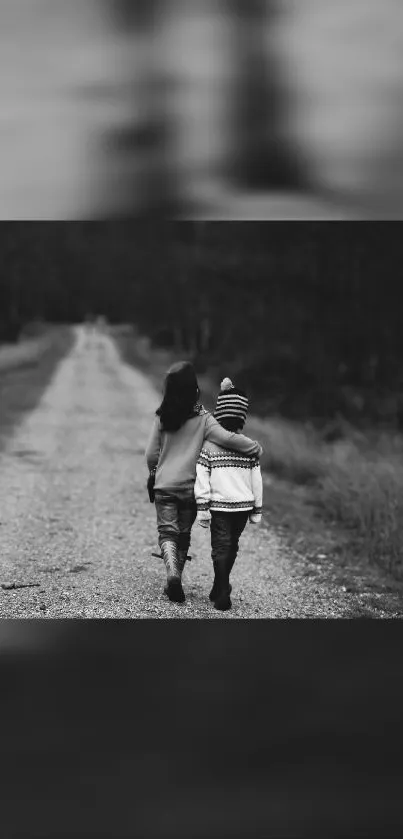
[26, 369]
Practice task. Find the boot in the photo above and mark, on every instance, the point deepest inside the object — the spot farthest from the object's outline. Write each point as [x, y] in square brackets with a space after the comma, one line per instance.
[215, 590]
[182, 557]
[174, 569]
[222, 599]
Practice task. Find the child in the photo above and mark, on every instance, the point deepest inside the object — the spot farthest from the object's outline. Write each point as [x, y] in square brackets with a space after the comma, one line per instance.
[228, 492]
[181, 428]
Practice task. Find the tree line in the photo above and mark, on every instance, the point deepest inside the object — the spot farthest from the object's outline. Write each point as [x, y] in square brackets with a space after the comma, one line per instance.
[306, 316]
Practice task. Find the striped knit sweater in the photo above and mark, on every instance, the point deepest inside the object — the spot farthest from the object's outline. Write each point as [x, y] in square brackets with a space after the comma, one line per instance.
[228, 481]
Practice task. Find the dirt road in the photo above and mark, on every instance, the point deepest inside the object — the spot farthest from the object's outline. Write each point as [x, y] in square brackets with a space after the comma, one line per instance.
[77, 526]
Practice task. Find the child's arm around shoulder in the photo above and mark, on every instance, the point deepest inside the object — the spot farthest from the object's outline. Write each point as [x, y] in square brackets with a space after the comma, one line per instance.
[154, 446]
[229, 439]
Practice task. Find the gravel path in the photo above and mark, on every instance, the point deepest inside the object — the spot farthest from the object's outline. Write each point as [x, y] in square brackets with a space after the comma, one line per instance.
[75, 519]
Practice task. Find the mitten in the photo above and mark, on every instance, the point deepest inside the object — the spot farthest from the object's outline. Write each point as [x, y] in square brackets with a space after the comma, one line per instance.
[204, 518]
[150, 488]
[255, 518]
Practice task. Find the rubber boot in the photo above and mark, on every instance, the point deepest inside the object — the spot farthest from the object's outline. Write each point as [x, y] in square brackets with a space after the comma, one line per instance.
[215, 590]
[173, 588]
[222, 600]
[182, 557]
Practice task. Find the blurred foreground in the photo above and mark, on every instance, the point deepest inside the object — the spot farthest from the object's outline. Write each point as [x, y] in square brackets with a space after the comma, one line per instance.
[264, 109]
[258, 730]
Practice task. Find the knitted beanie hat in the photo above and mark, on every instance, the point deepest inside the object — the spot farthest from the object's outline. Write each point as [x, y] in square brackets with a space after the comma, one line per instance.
[232, 403]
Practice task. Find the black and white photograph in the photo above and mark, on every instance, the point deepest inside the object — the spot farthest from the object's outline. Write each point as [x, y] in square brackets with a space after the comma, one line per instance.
[201, 419]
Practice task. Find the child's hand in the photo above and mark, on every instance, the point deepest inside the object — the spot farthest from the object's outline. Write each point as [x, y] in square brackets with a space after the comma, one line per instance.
[204, 518]
[150, 488]
[255, 518]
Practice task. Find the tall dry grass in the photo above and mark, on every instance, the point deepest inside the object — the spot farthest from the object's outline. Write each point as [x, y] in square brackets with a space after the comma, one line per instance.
[357, 483]
[36, 341]
[26, 369]
[24, 354]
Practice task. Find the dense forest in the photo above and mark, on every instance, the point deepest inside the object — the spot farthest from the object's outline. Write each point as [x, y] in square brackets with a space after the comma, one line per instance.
[307, 316]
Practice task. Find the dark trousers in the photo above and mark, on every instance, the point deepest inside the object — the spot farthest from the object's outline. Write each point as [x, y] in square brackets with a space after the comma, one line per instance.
[226, 529]
[175, 517]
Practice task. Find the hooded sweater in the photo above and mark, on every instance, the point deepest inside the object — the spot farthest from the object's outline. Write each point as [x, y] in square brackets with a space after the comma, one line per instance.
[172, 455]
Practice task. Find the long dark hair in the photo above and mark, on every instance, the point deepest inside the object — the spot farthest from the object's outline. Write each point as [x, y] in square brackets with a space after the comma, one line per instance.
[181, 392]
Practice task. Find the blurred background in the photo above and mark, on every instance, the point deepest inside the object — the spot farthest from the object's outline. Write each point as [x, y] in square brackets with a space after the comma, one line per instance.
[306, 316]
[201, 108]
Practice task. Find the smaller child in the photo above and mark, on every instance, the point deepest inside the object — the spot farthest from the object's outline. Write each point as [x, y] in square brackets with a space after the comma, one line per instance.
[228, 492]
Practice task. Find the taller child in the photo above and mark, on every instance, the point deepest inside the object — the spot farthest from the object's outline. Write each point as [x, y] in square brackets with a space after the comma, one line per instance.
[181, 427]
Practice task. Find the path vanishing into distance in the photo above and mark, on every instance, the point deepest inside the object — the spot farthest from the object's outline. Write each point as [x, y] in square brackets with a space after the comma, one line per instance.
[77, 528]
